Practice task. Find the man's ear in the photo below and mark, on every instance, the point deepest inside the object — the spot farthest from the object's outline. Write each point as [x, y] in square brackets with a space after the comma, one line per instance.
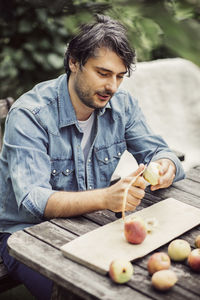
[73, 65]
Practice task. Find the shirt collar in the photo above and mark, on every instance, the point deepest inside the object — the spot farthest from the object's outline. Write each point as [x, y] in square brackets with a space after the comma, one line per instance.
[67, 115]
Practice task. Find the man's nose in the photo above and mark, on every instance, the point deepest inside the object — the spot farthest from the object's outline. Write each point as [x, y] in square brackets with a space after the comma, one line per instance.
[112, 85]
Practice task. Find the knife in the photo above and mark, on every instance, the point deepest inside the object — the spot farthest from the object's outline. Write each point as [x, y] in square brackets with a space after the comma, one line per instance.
[119, 214]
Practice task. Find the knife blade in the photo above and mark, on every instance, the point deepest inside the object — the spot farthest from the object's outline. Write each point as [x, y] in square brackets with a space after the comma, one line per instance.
[119, 214]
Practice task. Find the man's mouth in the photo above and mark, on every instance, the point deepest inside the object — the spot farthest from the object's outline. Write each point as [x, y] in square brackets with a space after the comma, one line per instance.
[104, 97]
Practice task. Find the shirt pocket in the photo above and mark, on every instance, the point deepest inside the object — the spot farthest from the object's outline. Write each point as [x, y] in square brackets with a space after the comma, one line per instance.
[108, 159]
[62, 174]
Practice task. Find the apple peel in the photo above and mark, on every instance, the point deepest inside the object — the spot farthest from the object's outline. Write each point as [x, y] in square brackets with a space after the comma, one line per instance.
[151, 224]
[126, 192]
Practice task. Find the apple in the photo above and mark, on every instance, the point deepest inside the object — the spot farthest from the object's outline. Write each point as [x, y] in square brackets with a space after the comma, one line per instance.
[194, 260]
[197, 241]
[178, 250]
[151, 174]
[135, 230]
[163, 280]
[121, 270]
[158, 261]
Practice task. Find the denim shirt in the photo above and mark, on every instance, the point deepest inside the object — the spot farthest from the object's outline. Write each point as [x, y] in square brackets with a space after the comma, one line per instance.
[42, 151]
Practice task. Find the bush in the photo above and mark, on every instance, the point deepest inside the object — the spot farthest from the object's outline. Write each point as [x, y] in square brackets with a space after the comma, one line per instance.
[34, 34]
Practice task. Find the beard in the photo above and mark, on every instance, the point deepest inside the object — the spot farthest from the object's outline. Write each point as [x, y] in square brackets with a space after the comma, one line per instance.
[86, 95]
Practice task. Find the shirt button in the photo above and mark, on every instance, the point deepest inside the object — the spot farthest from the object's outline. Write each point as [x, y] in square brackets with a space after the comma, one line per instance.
[119, 153]
[67, 171]
[106, 159]
[54, 171]
[90, 187]
[89, 160]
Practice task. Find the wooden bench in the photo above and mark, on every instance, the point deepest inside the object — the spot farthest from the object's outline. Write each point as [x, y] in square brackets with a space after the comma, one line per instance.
[5, 281]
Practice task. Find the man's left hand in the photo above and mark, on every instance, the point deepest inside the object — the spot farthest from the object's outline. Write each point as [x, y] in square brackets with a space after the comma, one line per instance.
[167, 173]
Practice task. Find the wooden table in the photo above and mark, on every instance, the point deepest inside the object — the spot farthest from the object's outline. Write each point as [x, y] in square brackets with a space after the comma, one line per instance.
[38, 247]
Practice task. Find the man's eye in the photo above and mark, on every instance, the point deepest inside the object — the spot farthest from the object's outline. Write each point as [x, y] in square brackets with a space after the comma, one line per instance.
[120, 76]
[102, 74]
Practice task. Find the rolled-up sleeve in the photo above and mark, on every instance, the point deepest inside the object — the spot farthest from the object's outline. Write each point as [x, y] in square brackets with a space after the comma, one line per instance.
[142, 141]
[28, 161]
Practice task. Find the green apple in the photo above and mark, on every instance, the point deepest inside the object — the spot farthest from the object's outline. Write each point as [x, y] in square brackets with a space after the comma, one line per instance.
[121, 270]
[164, 280]
[178, 250]
[151, 174]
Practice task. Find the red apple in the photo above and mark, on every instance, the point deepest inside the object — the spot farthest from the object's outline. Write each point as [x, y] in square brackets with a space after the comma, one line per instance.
[178, 250]
[135, 230]
[121, 270]
[158, 261]
[194, 260]
[197, 241]
[163, 280]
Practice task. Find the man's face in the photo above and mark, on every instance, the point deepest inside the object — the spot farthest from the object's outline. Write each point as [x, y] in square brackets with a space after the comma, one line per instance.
[96, 82]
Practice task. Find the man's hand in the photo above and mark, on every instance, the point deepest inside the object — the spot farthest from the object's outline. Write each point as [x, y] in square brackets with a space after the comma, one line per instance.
[115, 193]
[167, 173]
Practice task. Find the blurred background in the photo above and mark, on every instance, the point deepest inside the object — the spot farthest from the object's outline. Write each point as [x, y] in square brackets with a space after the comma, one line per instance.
[34, 37]
[34, 34]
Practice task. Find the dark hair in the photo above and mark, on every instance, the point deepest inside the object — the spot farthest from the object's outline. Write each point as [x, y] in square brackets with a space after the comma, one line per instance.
[105, 32]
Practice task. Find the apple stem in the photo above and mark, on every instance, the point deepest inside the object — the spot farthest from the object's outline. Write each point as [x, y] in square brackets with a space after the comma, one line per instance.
[126, 193]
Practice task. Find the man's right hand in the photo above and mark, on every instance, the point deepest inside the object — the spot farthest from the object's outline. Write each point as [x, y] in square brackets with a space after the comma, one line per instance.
[115, 193]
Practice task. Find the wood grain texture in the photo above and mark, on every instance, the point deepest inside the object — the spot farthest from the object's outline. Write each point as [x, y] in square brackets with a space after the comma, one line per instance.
[80, 225]
[193, 174]
[50, 262]
[99, 247]
[39, 247]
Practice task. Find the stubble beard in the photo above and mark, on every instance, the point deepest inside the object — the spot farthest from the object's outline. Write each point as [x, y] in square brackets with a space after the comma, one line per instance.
[86, 96]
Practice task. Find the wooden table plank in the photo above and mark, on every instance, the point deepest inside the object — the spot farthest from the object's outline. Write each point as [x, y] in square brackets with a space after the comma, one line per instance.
[187, 279]
[178, 194]
[145, 284]
[51, 234]
[77, 225]
[193, 174]
[38, 247]
[189, 186]
[80, 280]
[184, 273]
[143, 280]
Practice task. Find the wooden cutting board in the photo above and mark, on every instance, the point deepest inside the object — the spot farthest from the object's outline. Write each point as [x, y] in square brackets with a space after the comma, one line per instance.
[96, 249]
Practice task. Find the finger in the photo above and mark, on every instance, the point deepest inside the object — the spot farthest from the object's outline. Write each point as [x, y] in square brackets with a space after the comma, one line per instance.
[168, 176]
[140, 182]
[134, 201]
[165, 180]
[138, 171]
[164, 165]
[136, 192]
[130, 207]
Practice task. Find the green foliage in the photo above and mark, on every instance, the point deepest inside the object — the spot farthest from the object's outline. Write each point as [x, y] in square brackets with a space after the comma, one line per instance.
[34, 34]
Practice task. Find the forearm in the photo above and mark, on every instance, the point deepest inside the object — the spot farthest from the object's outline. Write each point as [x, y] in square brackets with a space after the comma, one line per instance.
[68, 204]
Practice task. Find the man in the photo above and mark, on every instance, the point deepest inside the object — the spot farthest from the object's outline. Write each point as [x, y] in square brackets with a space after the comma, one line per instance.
[64, 138]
